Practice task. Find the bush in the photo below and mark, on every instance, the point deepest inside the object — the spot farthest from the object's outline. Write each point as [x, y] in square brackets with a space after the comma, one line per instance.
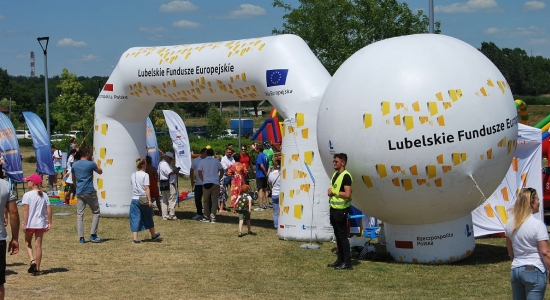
[31, 159]
[196, 143]
[533, 100]
[25, 142]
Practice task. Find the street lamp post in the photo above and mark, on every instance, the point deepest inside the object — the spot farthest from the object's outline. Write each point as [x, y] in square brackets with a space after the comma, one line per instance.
[45, 50]
[9, 91]
[98, 87]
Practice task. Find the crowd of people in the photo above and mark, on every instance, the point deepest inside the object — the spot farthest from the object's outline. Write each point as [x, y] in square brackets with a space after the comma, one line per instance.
[218, 184]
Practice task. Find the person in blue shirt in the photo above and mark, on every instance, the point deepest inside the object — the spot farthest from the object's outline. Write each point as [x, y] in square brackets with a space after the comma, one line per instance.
[83, 174]
[262, 165]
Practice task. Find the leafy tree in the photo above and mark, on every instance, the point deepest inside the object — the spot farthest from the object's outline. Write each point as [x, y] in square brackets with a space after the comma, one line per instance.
[72, 108]
[335, 29]
[216, 123]
[525, 74]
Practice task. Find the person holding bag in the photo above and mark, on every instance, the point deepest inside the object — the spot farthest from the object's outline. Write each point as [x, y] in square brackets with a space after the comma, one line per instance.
[141, 207]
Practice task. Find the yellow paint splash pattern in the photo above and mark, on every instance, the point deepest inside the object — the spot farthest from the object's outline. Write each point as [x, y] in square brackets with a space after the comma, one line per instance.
[489, 211]
[299, 119]
[367, 181]
[431, 171]
[305, 133]
[503, 215]
[367, 120]
[397, 120]
[504, 192]
[381, 170]
[169, 55]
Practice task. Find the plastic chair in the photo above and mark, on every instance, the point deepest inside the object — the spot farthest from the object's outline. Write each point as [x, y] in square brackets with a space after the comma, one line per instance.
[360, 222]
[371, 232]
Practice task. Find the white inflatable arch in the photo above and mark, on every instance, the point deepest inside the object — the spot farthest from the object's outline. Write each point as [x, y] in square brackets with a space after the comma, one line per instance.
[281, 69]
[421, 156]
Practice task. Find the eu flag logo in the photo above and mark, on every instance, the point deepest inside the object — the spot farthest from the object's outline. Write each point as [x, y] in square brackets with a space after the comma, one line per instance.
[276, 77]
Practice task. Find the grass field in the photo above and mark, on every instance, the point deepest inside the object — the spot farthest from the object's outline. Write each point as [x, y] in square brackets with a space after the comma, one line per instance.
[198, 260]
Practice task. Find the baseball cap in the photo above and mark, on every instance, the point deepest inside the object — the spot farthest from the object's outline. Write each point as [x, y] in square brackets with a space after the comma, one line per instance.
[35, 178]
[169, 154]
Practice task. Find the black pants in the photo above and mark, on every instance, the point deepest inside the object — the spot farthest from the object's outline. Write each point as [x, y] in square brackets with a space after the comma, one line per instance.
[339, 221]
[198, 198]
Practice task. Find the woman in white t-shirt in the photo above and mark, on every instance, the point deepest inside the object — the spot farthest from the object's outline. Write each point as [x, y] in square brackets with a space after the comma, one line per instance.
[37, 219]
[141, 215]
[527, 244]
[274, 181]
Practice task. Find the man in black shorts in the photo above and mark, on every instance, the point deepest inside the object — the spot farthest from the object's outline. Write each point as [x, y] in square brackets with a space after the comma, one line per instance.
[262, 165]
[7, 202]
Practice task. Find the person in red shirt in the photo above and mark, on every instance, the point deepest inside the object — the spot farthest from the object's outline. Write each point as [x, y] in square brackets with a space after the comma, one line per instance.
[245, 160]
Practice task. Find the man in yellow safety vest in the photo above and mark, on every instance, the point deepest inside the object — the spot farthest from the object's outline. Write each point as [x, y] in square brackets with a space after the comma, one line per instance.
[340, 201]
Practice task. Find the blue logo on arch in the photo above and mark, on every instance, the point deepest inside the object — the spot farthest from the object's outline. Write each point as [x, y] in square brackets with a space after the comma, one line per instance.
[276, 77]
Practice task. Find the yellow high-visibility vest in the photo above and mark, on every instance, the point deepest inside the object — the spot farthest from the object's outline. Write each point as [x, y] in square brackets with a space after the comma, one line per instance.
[336, 201]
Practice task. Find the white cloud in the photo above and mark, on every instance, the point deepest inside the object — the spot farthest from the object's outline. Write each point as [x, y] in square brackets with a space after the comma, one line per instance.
[152, 30]
[469, 7]
[533, 5]
[519, 32]
[67, 42]
[247, 11]
[89, 57]
[186, 24]
[178, 6]
[539, 42]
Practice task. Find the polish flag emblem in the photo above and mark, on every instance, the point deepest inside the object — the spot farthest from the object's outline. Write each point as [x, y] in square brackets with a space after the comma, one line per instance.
[108, 87]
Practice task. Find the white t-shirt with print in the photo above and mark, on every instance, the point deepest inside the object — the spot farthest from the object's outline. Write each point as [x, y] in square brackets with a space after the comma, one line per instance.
[57, 156]
[38, 214]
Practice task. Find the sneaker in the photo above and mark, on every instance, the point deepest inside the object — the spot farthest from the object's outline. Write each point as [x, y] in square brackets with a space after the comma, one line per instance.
[82, 240]
[204, 219]
[156, 237]
[240, 234]
[213, 220]
[259, 209]
[198, 217]
[136, 242]
[251, 233]
[96, 239]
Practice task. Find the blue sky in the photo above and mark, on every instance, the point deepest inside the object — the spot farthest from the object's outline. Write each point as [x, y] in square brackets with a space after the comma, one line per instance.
[88, 37]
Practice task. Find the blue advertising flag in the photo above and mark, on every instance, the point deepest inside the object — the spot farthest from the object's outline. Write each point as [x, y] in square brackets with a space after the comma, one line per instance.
[276, 77]
[152, 146]
[40, 143]
[9, 146]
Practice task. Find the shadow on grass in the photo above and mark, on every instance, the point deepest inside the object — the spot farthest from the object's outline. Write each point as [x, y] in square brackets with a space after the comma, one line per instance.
[55, 270]
[486, 254]
[228, 218]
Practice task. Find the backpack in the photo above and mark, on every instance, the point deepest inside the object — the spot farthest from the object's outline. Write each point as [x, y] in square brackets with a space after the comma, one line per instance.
[242, 203]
